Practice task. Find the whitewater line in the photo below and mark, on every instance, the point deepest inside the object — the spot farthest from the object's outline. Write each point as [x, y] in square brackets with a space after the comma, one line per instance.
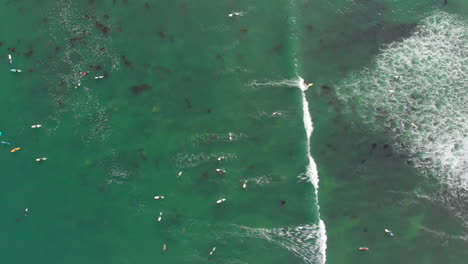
[311, 171]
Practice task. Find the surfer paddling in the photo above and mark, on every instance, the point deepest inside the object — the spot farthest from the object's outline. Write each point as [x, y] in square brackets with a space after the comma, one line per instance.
[235, 14]
[179, 174]
[160, 216]
[388, 232]
[212, 251]
[363, 249]
[222, 200]
[159, 197]
[10, 59]
[221, 171]
[244, 185]
[36, 126]
[26, 212]
[15, 149]
[41, 159]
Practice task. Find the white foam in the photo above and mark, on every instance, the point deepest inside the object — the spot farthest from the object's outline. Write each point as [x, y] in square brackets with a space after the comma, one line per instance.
[67, 21]
[431, 94]
[207, 138]
[191, 160]
[283, 83]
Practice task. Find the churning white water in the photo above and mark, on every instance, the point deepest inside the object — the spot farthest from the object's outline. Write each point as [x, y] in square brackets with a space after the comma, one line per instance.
[417, 93]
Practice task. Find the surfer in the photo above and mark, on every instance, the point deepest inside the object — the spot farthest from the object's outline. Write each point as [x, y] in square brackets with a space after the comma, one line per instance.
[41, 159]
[363, 249]
[276, 114]
[5, 143]
[230, 136]
[160, 217]
[159, 197]
[388, 232]
[15, 149]
[244, 185]
[26, 212]
[212, 251]
[220, 158]
[9, 59]
[99, 77]
[15, 70]
[164, 248]
[222, 200]
[36, 126]
[179, 174]
[221, 171]
[235, 14]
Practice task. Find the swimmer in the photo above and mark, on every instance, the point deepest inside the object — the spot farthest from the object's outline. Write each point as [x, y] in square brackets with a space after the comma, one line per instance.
[220, 158]
[15, 149]
[159, 197]
[363, 249]
[221, 171]
[222, 200]
[36, 126]
[15, 70]
[26, 212]
[10, 59]
[414, 126]
[164, 248]
[41, 159]
[230, 136]
[276, 114]
[244, 185]
[160, 217]
[388, 232]
[5, 143]
[212, 251]
[99, 77]
[179, 174]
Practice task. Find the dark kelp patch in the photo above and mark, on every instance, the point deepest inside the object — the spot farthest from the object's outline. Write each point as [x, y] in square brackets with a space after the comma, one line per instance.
[137, 89]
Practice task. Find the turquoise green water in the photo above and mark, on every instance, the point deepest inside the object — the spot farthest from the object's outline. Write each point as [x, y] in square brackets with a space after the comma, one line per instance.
[180, 79]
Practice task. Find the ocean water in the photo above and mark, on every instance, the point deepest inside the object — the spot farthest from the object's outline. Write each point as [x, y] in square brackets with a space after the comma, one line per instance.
[189, 88]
